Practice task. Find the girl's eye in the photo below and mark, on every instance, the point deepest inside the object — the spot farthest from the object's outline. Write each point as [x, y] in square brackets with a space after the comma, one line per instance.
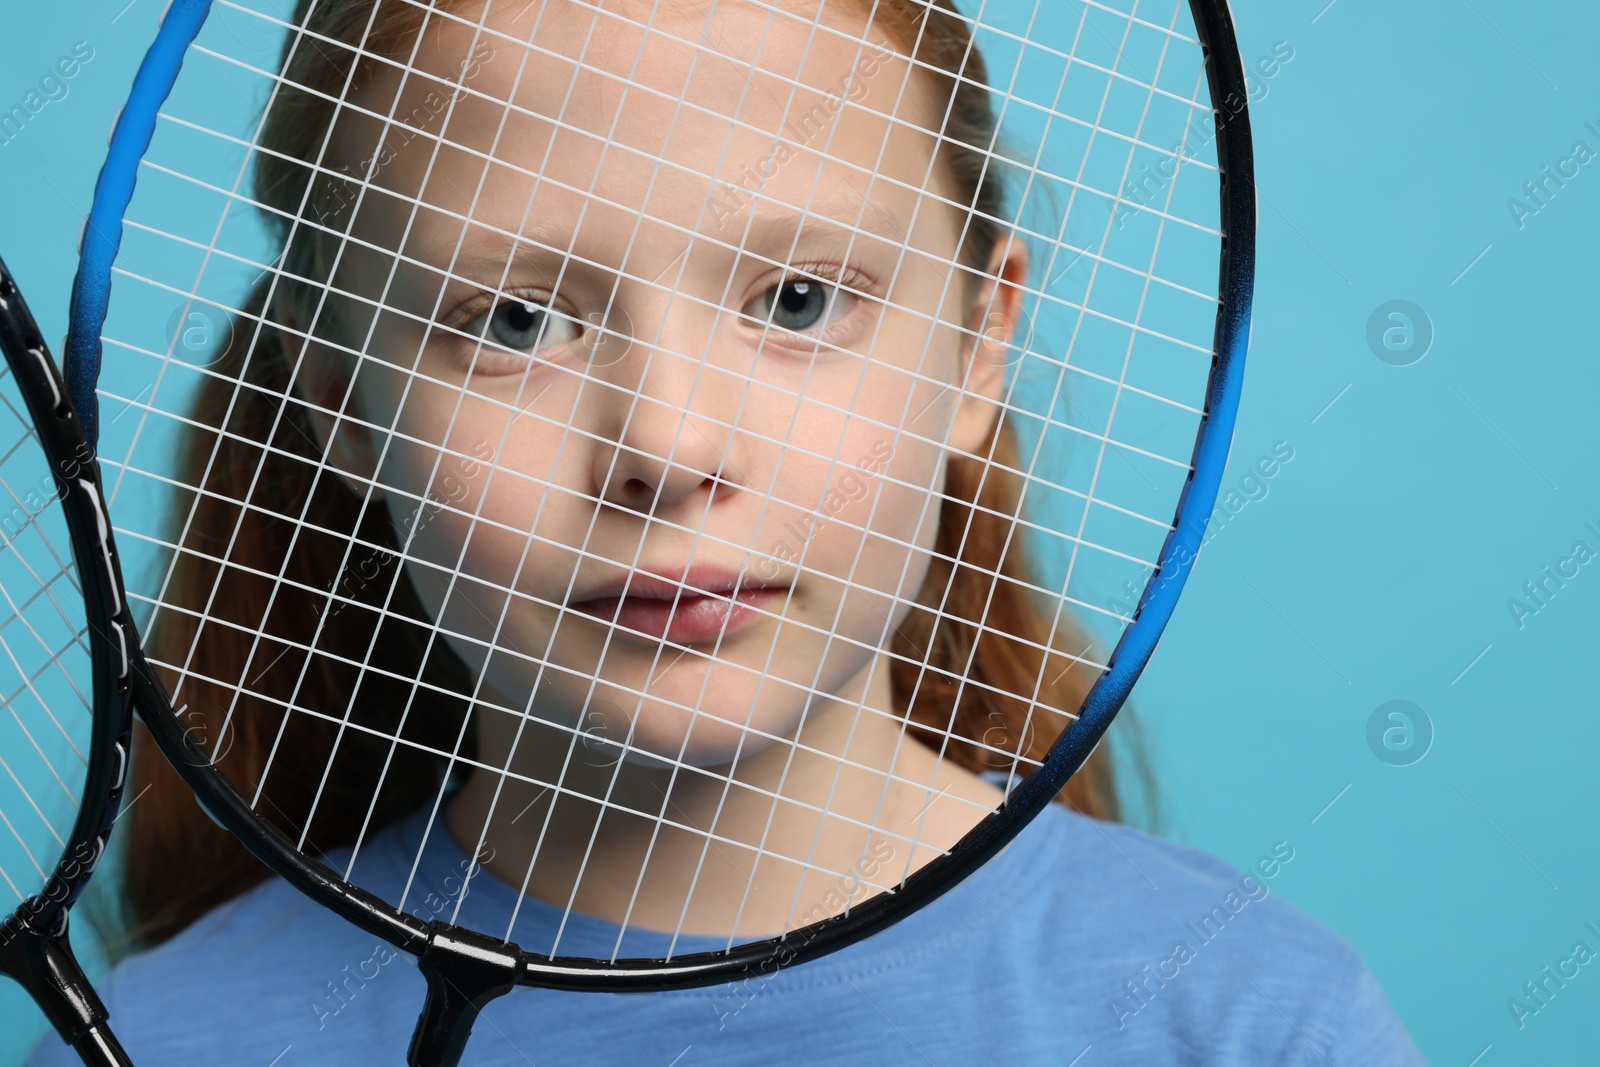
[522, 326]
[798, 304]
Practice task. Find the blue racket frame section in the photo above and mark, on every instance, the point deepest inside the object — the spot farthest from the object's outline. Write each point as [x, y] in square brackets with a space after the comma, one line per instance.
[113, 191]
[498, 965]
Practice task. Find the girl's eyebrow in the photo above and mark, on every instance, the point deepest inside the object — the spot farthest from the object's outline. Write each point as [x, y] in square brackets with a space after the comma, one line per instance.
[777, 219]
[486, 252]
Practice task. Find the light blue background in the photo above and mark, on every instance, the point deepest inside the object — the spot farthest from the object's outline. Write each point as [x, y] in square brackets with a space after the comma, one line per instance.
[1380, 564]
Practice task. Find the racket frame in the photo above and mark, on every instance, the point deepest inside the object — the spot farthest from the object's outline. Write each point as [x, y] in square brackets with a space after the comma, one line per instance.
[34, 948]
[464, 969]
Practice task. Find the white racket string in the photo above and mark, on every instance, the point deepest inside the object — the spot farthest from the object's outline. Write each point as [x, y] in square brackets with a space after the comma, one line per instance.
[1070, 410]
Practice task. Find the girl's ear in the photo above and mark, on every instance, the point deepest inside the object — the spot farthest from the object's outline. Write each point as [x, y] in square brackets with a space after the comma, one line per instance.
[324, 381]
[992, 320]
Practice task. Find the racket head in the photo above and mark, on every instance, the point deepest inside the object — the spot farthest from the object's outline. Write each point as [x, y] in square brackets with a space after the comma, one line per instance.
[65, 684]
[1197, 186]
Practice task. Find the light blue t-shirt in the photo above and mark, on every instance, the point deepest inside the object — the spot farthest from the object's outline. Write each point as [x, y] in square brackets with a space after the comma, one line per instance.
[1085, 943]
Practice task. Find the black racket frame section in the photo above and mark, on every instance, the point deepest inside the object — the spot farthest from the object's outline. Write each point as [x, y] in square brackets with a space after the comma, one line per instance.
[34, 949]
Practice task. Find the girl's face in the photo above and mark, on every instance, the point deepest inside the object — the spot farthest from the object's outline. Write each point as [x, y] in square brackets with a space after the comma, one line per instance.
[597, 359]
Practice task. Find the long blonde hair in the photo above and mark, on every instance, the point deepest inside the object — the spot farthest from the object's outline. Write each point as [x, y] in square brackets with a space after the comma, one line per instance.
[971, 670]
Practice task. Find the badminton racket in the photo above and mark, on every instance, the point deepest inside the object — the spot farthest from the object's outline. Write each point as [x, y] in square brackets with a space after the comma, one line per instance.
[630, 421]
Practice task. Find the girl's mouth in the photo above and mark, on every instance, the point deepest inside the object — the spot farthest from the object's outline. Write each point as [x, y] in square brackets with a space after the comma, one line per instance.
[707, 603]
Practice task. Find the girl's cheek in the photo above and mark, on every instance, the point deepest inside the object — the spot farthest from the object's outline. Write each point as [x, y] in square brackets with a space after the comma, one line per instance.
[483, 553]
[907, 493]
[862, 502]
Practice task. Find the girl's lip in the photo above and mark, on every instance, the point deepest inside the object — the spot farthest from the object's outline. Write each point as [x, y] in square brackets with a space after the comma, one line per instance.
[708, 602]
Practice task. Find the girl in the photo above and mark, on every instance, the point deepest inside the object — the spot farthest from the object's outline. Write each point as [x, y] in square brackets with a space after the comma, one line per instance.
[607, 535]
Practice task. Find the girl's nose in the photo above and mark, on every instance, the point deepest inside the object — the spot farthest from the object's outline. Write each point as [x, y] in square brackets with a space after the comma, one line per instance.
[672, 413]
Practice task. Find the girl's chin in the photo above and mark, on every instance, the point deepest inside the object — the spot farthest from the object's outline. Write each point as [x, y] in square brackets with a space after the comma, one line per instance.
[711, 746]
[658, 736]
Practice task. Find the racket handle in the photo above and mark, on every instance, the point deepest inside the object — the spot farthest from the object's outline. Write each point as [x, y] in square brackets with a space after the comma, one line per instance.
[44, 965]
[99, 1048]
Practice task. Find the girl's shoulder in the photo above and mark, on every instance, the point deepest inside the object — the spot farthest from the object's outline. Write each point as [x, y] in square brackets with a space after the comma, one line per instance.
[1168, 953]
